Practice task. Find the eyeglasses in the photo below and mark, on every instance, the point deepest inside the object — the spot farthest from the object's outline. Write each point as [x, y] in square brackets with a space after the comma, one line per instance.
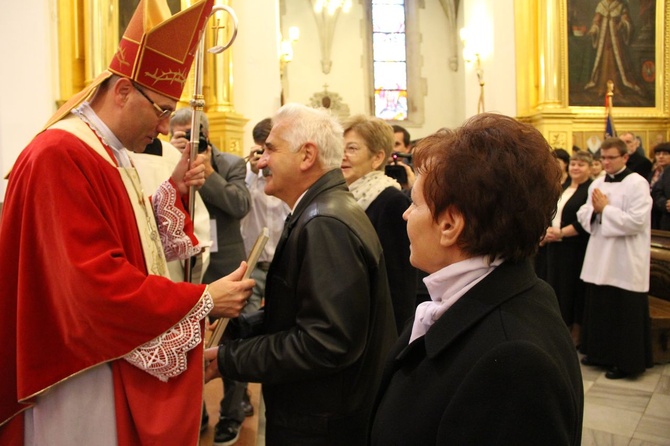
[351, 150]
[162, 113]
[609, 158]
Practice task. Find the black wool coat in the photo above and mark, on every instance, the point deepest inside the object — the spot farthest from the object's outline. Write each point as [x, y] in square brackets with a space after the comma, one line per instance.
[498, 368]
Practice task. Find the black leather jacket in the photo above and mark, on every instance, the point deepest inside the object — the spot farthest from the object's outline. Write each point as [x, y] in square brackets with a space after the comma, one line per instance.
[328, 323]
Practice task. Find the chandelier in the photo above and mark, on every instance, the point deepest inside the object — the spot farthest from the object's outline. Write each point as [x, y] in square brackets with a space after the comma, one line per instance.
[331, 6]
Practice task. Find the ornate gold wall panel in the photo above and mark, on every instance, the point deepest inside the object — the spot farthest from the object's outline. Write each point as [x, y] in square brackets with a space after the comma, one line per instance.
[542, 80]
[230, 131]
[88, 36]
[71, 48]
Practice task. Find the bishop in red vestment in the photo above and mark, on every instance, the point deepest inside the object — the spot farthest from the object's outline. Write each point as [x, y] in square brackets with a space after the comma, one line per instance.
[99, 346]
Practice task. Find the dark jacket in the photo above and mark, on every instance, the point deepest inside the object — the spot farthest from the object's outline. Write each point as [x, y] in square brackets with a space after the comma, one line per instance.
[328, 323]
[640, 164]
[498, 368]
[565, 259]
[385, 213]
[660, 193]
[227, 200]
[569, 214]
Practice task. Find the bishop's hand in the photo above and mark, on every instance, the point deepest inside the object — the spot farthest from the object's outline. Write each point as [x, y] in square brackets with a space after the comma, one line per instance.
[185, 176]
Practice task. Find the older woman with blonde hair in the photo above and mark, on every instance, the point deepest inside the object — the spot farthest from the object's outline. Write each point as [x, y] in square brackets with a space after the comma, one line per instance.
[368, 142]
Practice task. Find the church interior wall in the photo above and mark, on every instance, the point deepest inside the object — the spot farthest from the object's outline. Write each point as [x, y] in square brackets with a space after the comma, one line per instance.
[444, 101]
[304, 76]
[29, 77]
[256, 83]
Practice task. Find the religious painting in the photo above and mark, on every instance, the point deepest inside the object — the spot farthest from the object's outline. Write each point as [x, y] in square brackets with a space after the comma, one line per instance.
[612, 40]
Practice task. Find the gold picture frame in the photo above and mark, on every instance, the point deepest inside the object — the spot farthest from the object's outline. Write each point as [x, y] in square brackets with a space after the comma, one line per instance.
[612, 40]
[543, 81]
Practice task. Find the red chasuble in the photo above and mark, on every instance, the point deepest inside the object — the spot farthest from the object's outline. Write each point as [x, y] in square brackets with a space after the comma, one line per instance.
[75, 293]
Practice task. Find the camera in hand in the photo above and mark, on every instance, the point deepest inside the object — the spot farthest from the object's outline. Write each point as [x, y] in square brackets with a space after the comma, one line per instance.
[406, 156]
[396, 171]
[202, 140]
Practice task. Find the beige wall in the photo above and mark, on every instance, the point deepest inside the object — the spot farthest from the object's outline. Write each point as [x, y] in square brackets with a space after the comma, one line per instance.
[28, 79]
[256, 85]
[450, 97]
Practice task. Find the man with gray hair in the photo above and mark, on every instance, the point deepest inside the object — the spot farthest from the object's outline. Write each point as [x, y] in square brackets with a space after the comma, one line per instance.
[328, 320]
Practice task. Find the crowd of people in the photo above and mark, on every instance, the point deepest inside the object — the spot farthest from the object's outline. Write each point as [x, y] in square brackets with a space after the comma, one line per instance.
[388, 307]
[596, 251]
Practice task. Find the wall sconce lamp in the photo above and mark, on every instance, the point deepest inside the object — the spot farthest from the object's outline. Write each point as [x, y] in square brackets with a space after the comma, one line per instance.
[326, 13]
[473, 50]
[286, 48]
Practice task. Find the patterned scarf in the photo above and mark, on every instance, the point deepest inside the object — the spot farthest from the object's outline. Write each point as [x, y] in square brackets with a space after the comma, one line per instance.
[368, 187]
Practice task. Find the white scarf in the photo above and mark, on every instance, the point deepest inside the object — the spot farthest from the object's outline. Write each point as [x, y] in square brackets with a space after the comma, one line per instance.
[446, 286]
[368, 187]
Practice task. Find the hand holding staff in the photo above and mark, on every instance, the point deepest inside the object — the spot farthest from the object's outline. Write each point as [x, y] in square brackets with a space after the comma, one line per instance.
[198, 105]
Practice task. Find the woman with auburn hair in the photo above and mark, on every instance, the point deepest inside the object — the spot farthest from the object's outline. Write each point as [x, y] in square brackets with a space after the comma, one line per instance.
[565, 259]
[368, 142]
[488, 360]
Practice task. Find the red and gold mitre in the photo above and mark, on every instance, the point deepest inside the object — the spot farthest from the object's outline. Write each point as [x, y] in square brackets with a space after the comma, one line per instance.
[156, 51]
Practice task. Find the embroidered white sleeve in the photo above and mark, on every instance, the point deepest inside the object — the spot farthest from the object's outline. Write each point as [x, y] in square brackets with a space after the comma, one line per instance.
[170, 220]
[165, 356]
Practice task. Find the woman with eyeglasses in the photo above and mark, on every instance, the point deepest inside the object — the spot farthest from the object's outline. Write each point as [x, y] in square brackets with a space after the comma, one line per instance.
[368, 143]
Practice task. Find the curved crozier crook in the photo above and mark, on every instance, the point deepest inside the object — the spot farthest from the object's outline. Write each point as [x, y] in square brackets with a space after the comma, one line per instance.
[220, 48]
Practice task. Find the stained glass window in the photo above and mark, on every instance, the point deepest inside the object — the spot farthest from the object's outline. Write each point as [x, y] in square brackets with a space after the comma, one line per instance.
[389, 59]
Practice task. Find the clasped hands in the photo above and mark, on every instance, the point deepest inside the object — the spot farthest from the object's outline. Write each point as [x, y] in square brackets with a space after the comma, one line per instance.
[552, 235]
[599, 201]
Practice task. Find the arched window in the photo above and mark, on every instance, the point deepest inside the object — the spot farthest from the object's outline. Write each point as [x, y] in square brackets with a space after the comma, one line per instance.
[395, 59]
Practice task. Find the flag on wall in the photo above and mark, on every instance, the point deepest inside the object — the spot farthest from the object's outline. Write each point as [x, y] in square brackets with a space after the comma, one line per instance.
[610, 131]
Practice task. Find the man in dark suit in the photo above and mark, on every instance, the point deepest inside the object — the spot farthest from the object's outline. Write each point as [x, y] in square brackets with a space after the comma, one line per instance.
[328, 315]
[227, 199]
[488, 360]
[637, 162]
